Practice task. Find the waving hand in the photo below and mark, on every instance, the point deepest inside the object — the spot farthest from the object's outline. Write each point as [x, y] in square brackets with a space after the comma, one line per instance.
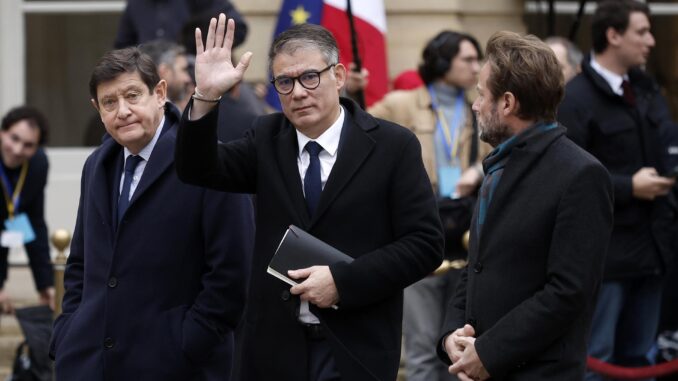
[214, 71]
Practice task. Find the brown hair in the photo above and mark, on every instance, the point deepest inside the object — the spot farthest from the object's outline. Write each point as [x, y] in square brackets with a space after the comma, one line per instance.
[528, 68]
[117, 62]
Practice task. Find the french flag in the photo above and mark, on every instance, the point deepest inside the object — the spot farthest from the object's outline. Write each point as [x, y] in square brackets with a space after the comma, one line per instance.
[369, 19]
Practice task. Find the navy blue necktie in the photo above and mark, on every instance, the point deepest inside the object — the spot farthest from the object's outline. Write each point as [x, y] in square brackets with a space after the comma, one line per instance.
[130, 165]
[312, 183]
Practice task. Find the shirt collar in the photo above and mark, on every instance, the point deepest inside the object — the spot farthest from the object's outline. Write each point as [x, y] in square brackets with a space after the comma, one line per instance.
[145, 152]
[329, 139]
[613, 79]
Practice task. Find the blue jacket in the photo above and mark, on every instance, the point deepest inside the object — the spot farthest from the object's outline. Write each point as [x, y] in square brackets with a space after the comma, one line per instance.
[152, 299]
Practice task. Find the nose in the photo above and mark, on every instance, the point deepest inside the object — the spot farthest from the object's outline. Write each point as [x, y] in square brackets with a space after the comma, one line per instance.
[185, 78]
[17, 148]
[475, 106]
[123, 108]
[475, 66]
[298, 91]
[650, 40]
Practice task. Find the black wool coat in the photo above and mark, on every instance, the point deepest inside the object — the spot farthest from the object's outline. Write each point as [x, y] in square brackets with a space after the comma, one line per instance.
[377, 206]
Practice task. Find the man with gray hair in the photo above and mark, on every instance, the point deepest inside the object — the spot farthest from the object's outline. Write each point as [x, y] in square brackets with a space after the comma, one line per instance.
[172, 63]
[568, 54]
[323, 164]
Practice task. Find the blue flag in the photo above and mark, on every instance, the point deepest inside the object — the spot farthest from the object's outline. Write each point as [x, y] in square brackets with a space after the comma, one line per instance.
[294, 12]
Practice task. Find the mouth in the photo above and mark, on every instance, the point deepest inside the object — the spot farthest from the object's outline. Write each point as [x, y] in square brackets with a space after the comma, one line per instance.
[302, 109]
[127, 126]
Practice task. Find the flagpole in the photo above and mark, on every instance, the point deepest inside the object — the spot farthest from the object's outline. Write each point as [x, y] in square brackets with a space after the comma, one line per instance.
[359, 95]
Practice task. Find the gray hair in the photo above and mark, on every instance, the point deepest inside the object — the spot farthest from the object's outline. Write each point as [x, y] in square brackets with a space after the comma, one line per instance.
[574, 55]
[305, 36]
[162, 51]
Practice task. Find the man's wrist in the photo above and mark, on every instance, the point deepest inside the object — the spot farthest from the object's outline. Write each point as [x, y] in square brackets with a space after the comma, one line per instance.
[442, 342]
[199, 96]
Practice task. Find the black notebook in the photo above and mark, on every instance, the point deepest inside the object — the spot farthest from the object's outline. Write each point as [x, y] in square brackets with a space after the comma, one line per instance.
[299, 250]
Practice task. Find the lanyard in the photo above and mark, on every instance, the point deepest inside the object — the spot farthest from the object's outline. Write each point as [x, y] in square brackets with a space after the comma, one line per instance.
[13, 202]
[451, 146]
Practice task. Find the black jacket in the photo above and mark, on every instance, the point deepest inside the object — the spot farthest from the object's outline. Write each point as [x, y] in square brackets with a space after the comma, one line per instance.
[147, 20]
[32, 202]
[625, 139]
[531, 281]
[377, 206]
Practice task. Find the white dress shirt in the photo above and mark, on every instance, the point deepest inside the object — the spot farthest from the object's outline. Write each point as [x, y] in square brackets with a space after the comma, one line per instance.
[145, 154]
[329, 140]
[613, 79]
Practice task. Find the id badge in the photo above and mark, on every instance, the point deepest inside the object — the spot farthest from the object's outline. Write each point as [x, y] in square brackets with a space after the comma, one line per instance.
[448, 177]
[20, 224]
[10, 239]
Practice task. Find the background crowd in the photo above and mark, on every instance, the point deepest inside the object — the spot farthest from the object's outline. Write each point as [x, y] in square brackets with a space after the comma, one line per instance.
[612, 108]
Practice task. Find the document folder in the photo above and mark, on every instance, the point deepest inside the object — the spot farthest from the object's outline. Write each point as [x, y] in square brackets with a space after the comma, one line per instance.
[299, 250]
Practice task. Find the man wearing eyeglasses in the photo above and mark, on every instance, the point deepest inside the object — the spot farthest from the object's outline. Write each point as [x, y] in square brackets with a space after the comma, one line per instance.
[355, 182]
[155, 282]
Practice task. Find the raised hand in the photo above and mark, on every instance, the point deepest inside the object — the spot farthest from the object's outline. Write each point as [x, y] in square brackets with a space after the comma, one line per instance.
[214, 71]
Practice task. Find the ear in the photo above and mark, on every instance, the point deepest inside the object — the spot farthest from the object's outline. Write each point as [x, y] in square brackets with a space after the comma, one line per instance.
[613, 37]
[164, 70]
[95, 104]
[160, 92]
[508, 104]
[340, 75]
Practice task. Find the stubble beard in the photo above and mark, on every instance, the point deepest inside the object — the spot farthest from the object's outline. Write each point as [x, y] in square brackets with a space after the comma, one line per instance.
[492, 131]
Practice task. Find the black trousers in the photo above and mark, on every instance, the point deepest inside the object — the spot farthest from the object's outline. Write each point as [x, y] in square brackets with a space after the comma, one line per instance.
[321, 364]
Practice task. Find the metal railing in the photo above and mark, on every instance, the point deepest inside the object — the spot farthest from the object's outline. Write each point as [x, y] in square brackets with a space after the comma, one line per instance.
[61, 239]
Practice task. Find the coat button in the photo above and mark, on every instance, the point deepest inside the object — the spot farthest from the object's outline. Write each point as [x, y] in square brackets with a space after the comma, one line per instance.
[112, 282]
[108, 343]
[478, 267]
[285, 295]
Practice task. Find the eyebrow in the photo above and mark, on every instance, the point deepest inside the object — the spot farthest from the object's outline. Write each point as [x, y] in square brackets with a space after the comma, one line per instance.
[302, 73]
[125, 90]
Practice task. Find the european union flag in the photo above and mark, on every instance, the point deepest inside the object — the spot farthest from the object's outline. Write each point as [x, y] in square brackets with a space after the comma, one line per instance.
[294, 12]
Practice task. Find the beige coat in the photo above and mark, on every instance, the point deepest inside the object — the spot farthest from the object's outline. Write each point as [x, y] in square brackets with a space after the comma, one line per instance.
[412, 109]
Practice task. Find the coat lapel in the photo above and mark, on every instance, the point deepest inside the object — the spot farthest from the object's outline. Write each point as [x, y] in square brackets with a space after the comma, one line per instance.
[521, 160]
[287, 153]
[103, 183]
[161, 158]
[354, 148]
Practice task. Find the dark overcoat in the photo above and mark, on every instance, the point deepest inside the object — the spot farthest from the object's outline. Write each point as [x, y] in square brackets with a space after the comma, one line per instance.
[377, 206]
[153, 298]
[530, 285]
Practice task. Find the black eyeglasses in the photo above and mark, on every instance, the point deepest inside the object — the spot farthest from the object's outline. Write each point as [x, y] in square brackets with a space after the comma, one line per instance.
[309, 80]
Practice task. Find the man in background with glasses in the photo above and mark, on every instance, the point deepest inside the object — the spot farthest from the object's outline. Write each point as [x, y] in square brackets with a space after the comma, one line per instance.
[356, 182]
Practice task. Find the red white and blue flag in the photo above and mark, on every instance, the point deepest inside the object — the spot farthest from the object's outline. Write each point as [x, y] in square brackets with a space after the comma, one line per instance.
[370, 24]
